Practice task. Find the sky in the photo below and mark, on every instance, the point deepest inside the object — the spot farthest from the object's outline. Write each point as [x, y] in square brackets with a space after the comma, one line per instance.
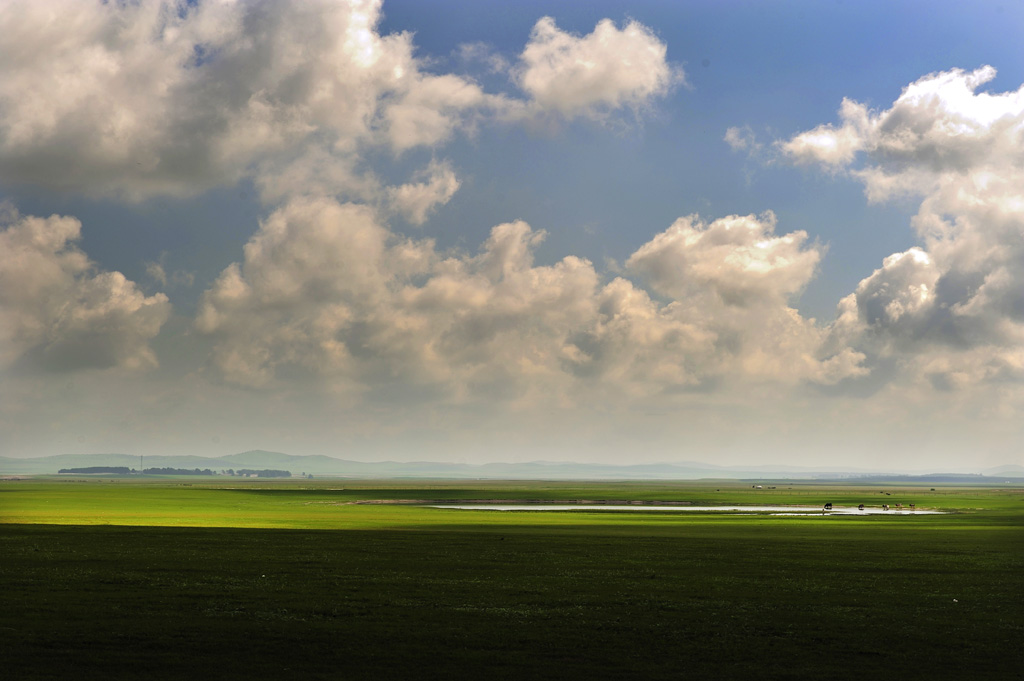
[729, 232]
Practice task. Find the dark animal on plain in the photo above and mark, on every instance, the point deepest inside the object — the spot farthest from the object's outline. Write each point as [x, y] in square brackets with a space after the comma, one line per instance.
[860, 507]
[828, 506]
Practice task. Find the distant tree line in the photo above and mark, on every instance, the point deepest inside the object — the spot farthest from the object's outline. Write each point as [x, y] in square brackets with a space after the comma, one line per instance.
[124, 470]
[265, 473]
[105, 470]
[176, 471]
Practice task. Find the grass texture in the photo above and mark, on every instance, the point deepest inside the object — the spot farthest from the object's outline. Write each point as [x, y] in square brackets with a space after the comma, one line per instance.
[176, 579]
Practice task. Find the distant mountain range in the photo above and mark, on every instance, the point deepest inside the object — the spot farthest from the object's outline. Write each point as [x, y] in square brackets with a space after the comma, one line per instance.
[534, 470]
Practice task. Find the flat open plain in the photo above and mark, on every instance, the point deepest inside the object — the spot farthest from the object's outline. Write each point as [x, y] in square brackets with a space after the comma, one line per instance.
[177, 578]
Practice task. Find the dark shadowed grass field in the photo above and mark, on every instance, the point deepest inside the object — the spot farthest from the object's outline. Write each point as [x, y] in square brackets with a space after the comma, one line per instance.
[160, 580]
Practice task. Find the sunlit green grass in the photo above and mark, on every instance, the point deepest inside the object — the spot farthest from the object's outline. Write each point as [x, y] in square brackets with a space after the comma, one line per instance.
[331, 504]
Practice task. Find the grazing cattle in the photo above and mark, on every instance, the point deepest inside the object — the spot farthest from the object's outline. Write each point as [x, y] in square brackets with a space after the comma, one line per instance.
[860, 507]
[885, 507]
[828, 506]
[913, 507]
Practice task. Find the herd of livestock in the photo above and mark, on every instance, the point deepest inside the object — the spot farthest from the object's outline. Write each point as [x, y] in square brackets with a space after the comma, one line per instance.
[885, 507]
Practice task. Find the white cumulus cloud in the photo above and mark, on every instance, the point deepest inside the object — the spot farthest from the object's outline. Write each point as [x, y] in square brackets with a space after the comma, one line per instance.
[949, 311]
[590, 75]
[939, 124]
[737, 259]
[157, 97]
[416, 200]
[738, 278]
[327, 292]
[56, 308]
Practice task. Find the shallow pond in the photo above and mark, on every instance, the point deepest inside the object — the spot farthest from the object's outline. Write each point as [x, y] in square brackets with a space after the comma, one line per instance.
[774, 510]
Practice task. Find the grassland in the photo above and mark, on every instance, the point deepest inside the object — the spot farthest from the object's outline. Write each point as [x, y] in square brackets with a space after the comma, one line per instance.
[180, 578]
